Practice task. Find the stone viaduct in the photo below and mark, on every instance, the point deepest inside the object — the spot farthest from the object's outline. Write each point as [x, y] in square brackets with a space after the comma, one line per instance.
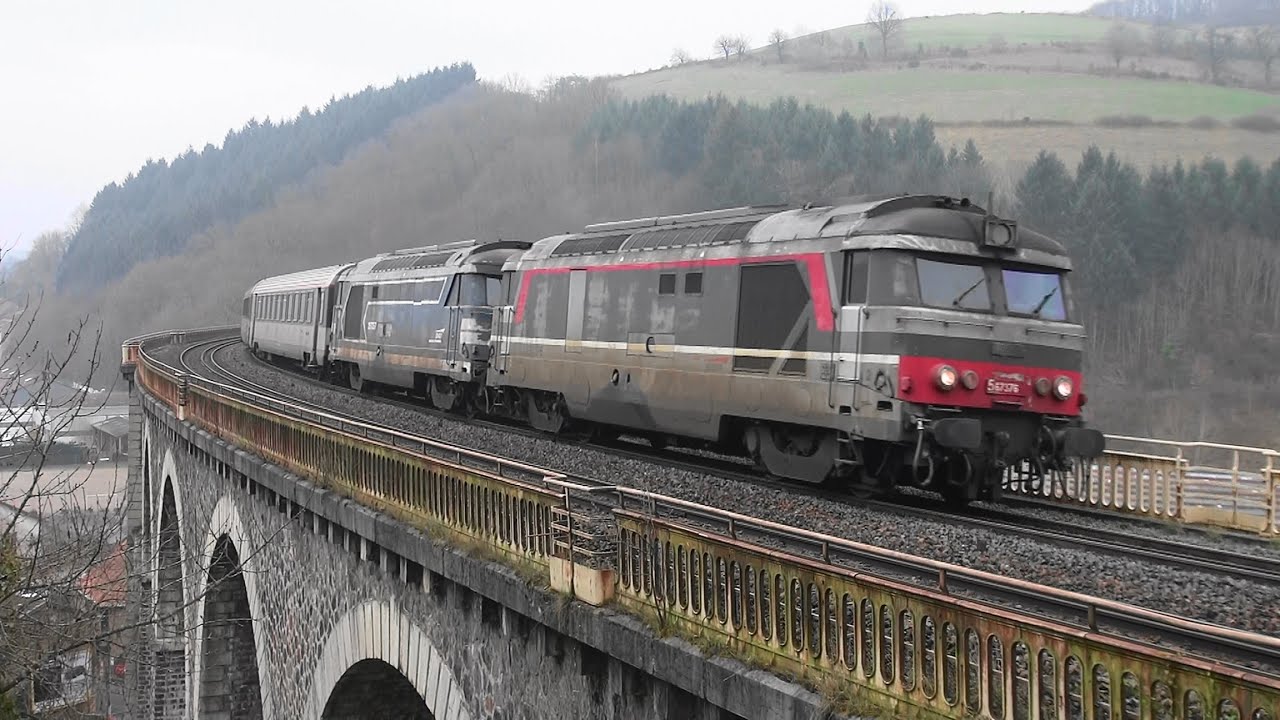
[271, 597]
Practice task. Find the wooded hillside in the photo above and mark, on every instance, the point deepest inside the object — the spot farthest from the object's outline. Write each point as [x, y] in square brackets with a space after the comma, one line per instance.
[154, 212]
[1179, 267]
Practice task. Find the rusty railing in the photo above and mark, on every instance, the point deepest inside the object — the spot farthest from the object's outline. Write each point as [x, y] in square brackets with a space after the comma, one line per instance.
[1227, 486]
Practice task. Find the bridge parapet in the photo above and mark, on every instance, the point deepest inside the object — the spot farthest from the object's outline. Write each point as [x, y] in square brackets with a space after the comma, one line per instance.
[916, 638]
[1228, 486]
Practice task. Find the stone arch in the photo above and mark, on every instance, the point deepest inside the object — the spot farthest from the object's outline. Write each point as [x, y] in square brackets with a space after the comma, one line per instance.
[230, 686]
[229, 618]
[172, 646]
[373, 689]
[169, 578]
[378, 631]
[147, 501]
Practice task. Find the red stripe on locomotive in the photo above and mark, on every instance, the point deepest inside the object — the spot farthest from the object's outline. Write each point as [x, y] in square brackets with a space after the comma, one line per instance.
[917, 383]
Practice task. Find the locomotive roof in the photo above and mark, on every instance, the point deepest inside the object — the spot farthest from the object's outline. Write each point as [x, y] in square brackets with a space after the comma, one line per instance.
[302, 280]
[919, 222]
[435, 260]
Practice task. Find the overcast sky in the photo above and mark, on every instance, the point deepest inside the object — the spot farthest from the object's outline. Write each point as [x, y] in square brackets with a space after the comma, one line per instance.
[92, 89]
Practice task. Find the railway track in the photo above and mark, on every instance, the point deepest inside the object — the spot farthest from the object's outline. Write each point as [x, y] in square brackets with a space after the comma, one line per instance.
[1260, 653]
[1171, 552]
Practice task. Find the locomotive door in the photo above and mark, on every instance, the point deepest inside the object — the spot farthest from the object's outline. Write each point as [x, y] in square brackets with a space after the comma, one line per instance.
[576, 311]
[503, 323]
[853, 313]
[313, 310]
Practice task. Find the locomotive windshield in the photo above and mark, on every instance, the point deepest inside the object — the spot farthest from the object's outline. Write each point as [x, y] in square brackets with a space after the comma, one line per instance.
[1038, 294]
[888, 277]
[953, 285]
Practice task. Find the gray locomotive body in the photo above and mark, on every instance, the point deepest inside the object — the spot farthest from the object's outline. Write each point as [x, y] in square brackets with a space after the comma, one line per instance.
[892, 341]
[420, 319]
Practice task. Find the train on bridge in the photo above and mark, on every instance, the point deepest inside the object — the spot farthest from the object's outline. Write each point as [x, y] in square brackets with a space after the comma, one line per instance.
[910, 340]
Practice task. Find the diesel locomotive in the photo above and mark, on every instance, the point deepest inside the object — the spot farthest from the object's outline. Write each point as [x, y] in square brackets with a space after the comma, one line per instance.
[913, 340]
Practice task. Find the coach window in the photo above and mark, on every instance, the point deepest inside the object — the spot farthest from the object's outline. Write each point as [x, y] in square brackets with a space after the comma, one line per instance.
[693, 283]
[667, 284]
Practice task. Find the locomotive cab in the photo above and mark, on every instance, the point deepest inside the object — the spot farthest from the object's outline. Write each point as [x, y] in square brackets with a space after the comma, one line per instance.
[960, 353]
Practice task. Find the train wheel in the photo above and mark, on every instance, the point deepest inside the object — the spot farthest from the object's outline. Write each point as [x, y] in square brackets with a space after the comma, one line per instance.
[959, 482]
[354, 378]
[805, 454]
[545, 412]
[444, 394]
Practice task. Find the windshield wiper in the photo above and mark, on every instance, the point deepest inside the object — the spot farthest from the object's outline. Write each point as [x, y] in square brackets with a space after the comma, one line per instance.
[963, 295]
[1040, 305]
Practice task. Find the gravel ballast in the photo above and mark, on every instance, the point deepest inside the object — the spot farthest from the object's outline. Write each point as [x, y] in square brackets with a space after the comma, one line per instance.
[1232, 602]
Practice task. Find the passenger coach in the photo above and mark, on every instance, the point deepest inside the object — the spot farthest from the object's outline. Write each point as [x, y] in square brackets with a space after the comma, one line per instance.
[288, 316]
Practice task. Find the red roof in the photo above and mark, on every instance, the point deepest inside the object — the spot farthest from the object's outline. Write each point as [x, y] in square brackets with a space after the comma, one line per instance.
[105, 583]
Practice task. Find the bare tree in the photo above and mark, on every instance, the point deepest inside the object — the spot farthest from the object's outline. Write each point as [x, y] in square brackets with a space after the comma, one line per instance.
[680, 56]
[1213, 52]
[1163, 38]
[741, 45]
[1265, 47]
[726, 45]
[1122, 40]
[66, 636]
[885, 18]
[777, 38]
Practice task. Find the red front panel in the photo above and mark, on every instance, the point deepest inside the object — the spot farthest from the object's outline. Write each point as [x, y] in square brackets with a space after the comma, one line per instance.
[999, 386]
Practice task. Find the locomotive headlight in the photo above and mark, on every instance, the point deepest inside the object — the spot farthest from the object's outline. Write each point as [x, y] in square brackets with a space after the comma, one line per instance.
[1043, 387]
[1062, 388]
[946, 377]
[970, 379]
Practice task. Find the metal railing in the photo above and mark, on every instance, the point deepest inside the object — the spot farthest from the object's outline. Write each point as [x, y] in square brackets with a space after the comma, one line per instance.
[510, 510]
[1228, 486]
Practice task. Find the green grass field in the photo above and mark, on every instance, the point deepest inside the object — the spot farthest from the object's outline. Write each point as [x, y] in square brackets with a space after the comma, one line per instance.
[956, 95]
[964, 99]
[968, 31]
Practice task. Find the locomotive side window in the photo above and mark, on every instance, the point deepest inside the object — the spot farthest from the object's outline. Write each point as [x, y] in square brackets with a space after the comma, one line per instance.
[509, 287]
[856, 265]
[353, 326]
[773, 304]
[477, 290]
[953, 285]
[1039, 294]
[667, 284]
[693, 283]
